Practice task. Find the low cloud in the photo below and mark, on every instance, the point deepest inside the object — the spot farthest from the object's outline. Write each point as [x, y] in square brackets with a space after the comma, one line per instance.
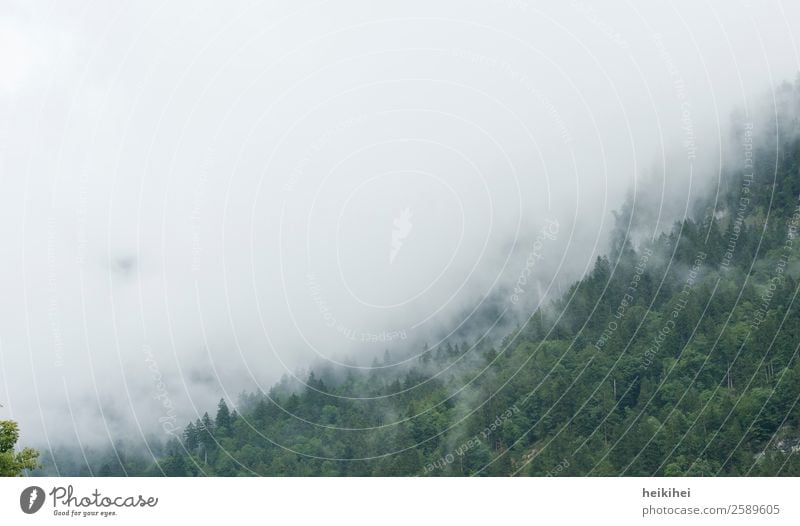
[198, 200]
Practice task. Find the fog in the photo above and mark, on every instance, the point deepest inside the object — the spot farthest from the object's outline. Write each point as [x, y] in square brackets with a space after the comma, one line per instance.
[199, 197]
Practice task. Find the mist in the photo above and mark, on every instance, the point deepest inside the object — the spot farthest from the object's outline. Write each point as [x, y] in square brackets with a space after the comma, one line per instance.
[198, 200]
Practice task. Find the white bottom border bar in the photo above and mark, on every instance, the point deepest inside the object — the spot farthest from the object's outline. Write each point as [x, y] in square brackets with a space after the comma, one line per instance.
[400, 501]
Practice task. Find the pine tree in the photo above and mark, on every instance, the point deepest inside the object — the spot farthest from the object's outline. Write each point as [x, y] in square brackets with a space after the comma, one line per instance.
[191, 437]
[207, 429]
[223, 420]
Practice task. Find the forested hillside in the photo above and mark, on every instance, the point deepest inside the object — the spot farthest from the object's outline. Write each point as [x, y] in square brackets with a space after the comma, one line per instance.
[675, 355]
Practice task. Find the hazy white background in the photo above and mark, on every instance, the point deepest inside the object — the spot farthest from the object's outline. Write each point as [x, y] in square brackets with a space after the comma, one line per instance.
[198, 197]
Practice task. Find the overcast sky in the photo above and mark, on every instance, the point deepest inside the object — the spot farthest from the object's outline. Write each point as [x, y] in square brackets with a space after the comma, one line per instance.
[199, 197]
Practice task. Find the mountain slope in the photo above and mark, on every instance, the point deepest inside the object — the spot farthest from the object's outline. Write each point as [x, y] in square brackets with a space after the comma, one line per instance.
[675, 355]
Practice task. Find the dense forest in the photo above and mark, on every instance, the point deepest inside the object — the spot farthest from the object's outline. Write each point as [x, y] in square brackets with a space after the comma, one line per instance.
[675, 355]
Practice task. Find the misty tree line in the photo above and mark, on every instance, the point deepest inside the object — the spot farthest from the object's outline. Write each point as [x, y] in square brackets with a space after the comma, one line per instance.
[699, 376]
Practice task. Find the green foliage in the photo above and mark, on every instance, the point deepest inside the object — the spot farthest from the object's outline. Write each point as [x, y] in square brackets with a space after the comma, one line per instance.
[14, 463]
